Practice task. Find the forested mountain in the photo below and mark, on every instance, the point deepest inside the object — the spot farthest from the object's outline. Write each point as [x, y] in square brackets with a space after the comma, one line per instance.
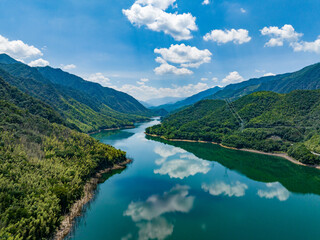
[264, 121]
[116, 100]
[44, 165]
[306, 79]
[80, 109]
[188, 101]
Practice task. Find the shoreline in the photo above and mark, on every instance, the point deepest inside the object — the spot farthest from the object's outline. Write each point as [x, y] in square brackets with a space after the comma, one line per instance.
[282, 155]
[89, 190]
[110, 129]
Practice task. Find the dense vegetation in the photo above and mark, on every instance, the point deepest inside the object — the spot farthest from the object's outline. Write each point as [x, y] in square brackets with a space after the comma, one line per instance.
[264, 121]
[78, 108]
[44, 165]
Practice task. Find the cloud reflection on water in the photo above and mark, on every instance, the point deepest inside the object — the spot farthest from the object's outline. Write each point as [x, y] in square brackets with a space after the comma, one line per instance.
[236, 189]
[274, 190]
[148, 214]
[182, 166]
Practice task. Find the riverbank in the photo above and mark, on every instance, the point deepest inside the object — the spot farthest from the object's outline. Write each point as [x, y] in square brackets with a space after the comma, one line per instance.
[282, 155]
[89, 190]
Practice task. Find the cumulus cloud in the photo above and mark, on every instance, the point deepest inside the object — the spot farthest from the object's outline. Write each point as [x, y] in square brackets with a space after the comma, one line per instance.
[239, 36]
[18, 49]
[99, 78]
[39, 63]
[232, 77]
[183, 56]
[280, 35]
[274, 190]
[153, 15]
[205, 2]
[243, 10]
[187, 165]
[221, 188]
[307, 46]
[68, 67]
[166, 68]
[144, 92]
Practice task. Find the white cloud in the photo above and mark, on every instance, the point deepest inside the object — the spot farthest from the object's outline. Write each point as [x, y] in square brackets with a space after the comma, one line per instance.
[221, 188]
[280, 35]
[39, 63]
[269, 74]
[18, 49]
[187, 165]
[243, 10]
[205, 2]
[176, 200]
[186, 56]
[183, 56]
[215, 79]
[68, 67]
[307, 46]
[239, 36]
[144, 80]
[233, 77]
[99, 78]
[166, 68]
[275, 190]
[145, 92]
[152, 14]
[204, 79]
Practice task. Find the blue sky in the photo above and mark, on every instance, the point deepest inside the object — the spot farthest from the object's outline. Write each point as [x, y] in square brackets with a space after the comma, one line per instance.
[114, 42]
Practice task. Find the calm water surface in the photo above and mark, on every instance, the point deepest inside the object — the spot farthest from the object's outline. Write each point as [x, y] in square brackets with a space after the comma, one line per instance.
[177, 190]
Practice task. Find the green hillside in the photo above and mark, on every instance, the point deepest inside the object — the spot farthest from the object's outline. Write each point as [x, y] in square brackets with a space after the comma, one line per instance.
[264, 121]
[79, 109]
[116, 100]
[44, 165]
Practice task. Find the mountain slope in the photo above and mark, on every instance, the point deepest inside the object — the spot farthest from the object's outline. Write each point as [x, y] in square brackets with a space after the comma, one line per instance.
[188, 101]
[264, 121]
[44, 165]
[77, 108]
[307, 78]
[116, 100]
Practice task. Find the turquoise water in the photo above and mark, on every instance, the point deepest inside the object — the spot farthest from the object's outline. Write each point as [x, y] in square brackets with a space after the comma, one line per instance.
[178, 190]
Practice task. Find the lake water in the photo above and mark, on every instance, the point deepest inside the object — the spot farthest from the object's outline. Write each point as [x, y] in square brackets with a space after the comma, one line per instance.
[179, 190]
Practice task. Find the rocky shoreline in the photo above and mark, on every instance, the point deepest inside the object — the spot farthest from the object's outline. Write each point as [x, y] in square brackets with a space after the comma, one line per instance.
[76, 209]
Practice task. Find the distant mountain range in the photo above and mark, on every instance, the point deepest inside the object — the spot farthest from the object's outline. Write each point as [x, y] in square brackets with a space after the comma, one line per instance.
[188, 101]
[307, 78]
[84, 105]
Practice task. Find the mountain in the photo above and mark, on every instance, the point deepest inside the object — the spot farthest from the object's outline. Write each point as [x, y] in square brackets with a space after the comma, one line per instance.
[188, 101]
[44, 165]
[161, 101]
[80, 109]
[116, 100]
[307, 78]
[264, 121]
